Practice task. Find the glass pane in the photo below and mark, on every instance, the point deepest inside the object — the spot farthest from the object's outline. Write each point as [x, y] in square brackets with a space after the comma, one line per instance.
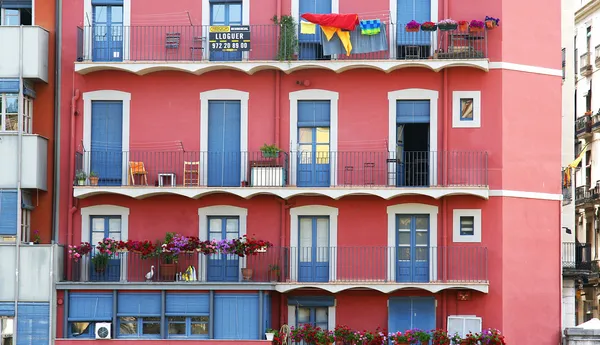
[322, 135]
[321, 314]
[114, 225]
[404, 237]
[151, 328]
[214, 225]
[231, 235]
[200, 319]
[404, 253]
[100, 13]
[116, 14]
[305, 135]
[152, 319]
[466, 109]
[100, 32]
[11, 17]
[305, 154]
[304, 315]
[97, 237]
[232, 225]
[177, 328]
[98, 224]
[322, 154]
[176, 318]
[12, 123]
[422, 253]
[12, 103]
[235, 13]
[322, 240]
[421, 238]
[404, 222]
[200, 328]
[218, 13]
[305, 239]
[422, 223]
[128, 325]
[78, 328]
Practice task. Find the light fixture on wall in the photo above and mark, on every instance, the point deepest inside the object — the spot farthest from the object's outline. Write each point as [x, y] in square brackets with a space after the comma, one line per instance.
[303, 82]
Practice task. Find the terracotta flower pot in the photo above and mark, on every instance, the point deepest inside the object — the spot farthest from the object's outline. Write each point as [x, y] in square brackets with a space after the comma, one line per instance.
[413, 29]
[94, 180]
[472, 29]
[247, 274]
[490, 24]
[168, 271]
[463, 27]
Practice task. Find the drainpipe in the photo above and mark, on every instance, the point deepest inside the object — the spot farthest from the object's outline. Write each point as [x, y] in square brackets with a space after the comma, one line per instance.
[57, 87]
[278, 90]
[445, 114]
[20, 114]
[72, 207]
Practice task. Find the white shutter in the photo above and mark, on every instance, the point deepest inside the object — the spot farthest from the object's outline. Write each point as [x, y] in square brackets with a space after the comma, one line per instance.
[463, 324]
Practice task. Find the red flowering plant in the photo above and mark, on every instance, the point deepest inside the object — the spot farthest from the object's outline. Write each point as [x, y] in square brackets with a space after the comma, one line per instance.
[471, 339]
[476, 24]
[324, 337]
[344, 334]
[145, 248]
[491, 337]
[207, 247]
[440, 337]
[77, 252]
[253, 246]
[377, 337]
[463, 22]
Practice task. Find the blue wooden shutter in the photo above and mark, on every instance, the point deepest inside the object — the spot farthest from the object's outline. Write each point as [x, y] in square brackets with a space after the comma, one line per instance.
[232, 125]
[138, 304]
[314, 113]
[7, 309]
[33, 324]
[266, 312]
[236, 316]
[423, 313]
[399, 314]
[422, 10]
[8, 212]
[311, 301]
[187, 304]
[412, 111]
[15, 3]
[9, 85]
[90, 306]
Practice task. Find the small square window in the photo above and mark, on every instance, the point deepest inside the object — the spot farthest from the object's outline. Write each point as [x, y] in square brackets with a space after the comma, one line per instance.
[466, 109]
[467, 225]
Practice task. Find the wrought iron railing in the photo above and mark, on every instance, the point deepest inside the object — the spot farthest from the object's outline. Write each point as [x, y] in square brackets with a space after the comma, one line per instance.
[583, 125]
[577, 255]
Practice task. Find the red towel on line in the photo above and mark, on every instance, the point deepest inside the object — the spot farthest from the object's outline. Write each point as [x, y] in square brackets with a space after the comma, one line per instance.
[342, 21]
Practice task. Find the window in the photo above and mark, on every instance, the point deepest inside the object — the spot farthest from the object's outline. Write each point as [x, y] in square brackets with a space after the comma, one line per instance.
[9, 113]
[25, 225]
[138, 315]
[6, 330]
[85, 309]
[131, 326]
[16, 16]
[464, 325]
[191, 326]
[82, 329]
[314, 316]
[466, 109]
[8, 215]
[466, 226]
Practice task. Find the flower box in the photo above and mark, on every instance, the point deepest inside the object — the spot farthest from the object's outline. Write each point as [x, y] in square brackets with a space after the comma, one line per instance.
[447, 27]
[429, 26]
[463, 26]
[476, 29]
[412, 29]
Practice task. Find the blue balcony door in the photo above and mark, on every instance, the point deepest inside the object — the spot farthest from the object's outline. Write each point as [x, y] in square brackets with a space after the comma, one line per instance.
[313, 249]
[412, 253]
[309, 45]
[313, 144]
[105, 227]
[222, 267]
[412, 143]
[106, 151]
[411, 313]
[107, 32]
[224, 157]
[419, 10]
[226, 13]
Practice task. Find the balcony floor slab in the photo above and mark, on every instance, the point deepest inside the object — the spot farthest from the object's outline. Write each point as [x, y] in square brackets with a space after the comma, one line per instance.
[384, 287]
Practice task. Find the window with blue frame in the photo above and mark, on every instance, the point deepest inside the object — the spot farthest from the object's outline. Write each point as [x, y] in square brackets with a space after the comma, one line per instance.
[187, 315]
[312, 310]
[85, 309]
[8, 215]
[138, 315]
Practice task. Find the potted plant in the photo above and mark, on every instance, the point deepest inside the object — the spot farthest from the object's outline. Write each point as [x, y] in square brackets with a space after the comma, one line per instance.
[463, 25]
[93, 178]
[324, 337]
[476, 25]
[400, 338]
[274, 272]
[270, 334]
[288, 40]
[491, 22]
[270, 151]
[168, 252]
[491, 337]
[440, 337]
[100, 261]
[470, 339]
[36, 237]
[447, 25]
[456, 339]
[420, 336]
[413, 26]
[80, 176]
[428, 26]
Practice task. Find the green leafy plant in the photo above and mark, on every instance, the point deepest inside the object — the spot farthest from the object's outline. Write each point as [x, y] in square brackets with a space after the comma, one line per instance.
[100, 261]
[288, 39]
[270, 151]
[93, 174]
[80, 175]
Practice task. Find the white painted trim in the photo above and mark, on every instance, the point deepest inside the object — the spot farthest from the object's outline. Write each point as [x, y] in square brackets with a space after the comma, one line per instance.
[205, 23]
[313, 95]
[219, 210]
[330, 316]
[103, 210]
[223, 94]
[456, 236]
[313, 210]
[291, 321]
[106, 95]
[392, 211]
[87, 22]
[525, 68]
[415, 94]
[456, 120]
[393, 18]
[383, 287]
[523, 194]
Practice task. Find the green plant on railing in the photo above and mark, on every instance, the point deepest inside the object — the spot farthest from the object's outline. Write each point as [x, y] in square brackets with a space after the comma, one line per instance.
[270, 151]
[288, 39]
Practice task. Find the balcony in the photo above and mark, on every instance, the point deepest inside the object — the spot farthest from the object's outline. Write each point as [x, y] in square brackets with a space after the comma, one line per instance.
[586, 68]
[146, 49]
[583, 126]
[39, 266]
[335, 174]
[584, 195]
[576, 257]
[597, 55]
[331, 268]
[34, 41]
[34, 155]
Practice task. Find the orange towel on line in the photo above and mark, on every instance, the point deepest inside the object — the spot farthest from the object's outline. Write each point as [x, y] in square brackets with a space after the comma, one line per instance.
[343, 35]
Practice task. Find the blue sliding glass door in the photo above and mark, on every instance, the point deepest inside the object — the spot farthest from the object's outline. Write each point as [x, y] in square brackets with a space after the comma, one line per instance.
[313, 249]
[107, 33]
[105, 267]
[106, 151]
[224, 157]
[222, 267]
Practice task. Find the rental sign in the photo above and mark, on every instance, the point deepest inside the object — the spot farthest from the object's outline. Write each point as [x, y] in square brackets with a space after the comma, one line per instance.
[233, 38]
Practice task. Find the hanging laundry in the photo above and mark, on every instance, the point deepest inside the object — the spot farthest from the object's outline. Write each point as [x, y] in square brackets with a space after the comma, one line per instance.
[341, 21]
[344, 36]
[308, 28]
[370, 27]
[360, 43]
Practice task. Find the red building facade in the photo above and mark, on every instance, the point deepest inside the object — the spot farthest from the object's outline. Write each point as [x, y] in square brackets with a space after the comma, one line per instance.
[408, 187]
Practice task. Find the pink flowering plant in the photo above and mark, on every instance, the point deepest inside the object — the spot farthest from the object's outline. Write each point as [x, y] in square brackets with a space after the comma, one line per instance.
[77, 252]
[413, 24]
[106, 249]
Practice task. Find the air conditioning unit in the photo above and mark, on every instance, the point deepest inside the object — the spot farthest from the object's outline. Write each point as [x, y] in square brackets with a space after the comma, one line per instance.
[103, 330]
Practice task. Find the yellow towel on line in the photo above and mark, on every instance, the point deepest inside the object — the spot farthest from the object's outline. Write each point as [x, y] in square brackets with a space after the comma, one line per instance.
[343, 35]
[308, 28]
